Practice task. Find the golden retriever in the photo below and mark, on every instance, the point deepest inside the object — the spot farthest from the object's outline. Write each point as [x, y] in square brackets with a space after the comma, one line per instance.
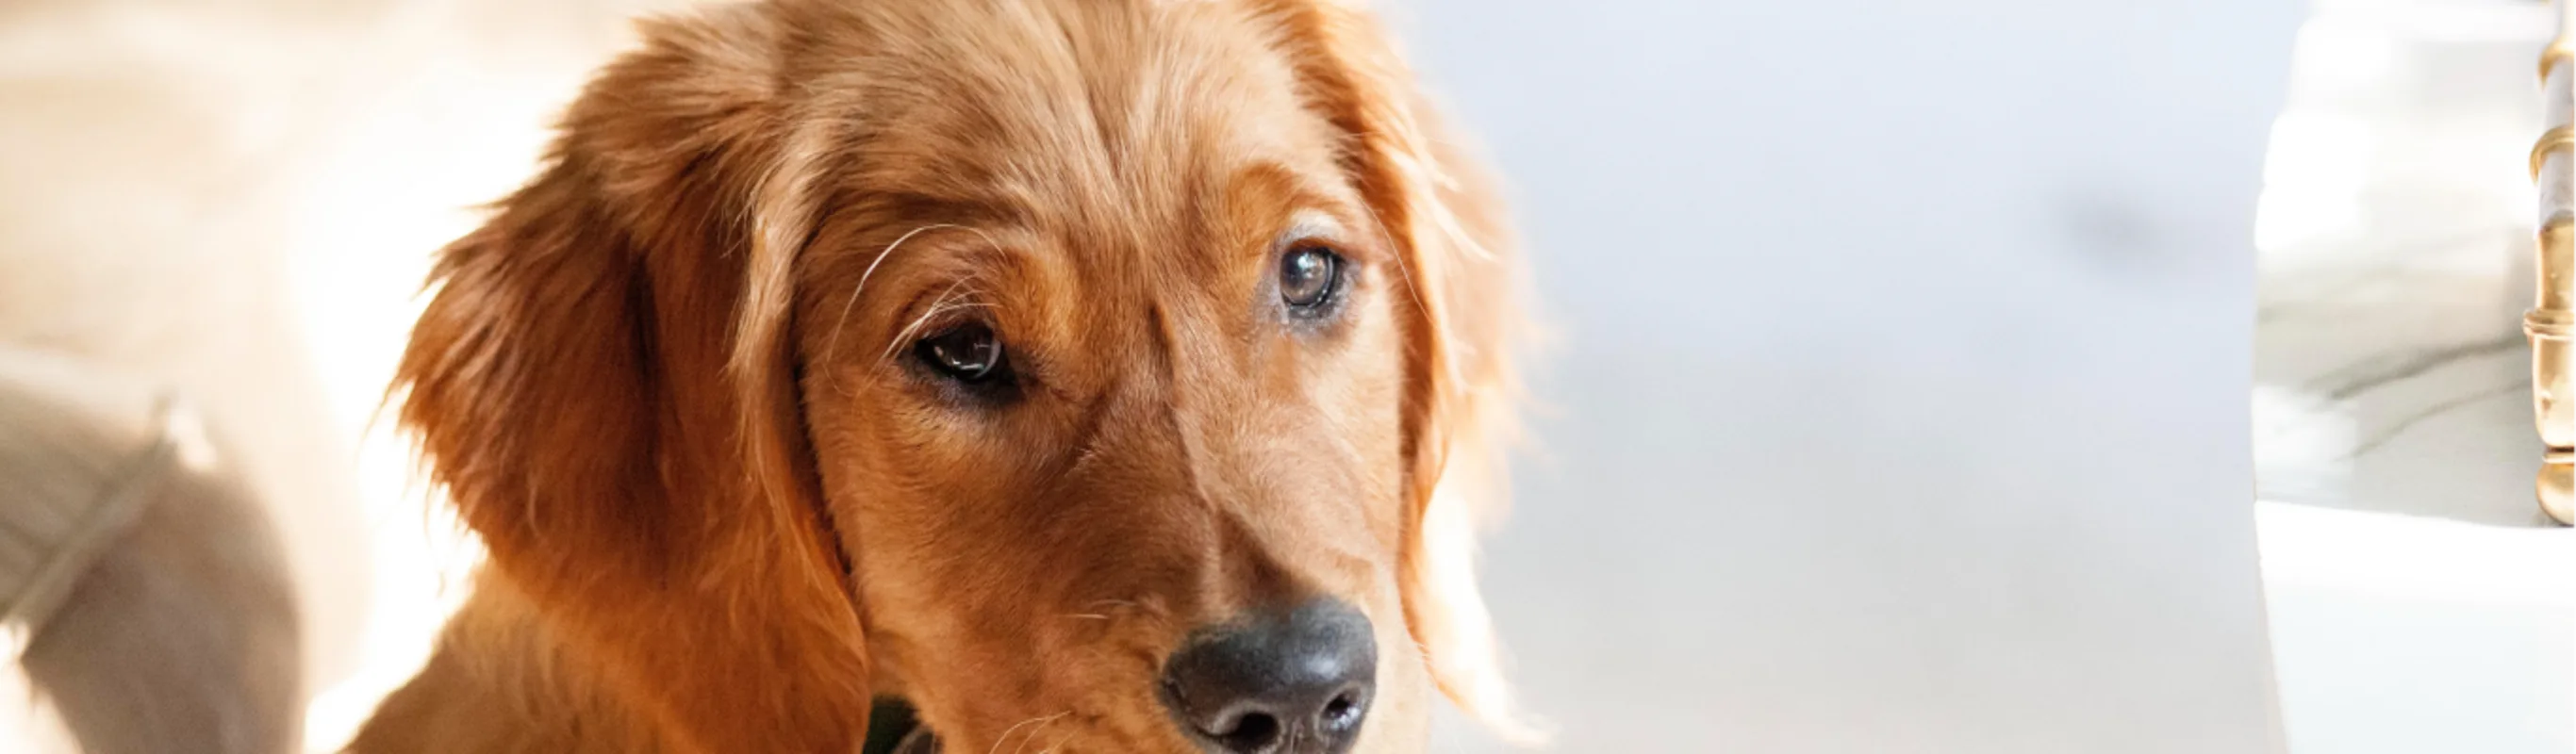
[1093, 376]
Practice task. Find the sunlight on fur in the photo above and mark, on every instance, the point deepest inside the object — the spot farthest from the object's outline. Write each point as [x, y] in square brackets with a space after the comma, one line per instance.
[459, 130]
[209, 147]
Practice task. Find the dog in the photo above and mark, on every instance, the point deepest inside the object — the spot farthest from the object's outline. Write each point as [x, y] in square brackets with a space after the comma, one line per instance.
[1089, 376]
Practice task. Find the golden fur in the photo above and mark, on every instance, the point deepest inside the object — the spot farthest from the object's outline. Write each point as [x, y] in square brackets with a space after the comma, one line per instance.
[668, 383]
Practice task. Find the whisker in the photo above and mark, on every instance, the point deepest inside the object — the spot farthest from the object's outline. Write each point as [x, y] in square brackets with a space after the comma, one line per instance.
[1032, 737]
[1040, 720]
[843, 321]
[910, 330]
[937, 307]
[1059, 741]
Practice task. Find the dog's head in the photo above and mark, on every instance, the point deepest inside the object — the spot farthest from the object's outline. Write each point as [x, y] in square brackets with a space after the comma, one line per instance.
[1096, 376]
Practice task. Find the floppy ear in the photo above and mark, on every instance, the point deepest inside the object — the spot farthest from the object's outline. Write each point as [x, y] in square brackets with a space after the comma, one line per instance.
[1463, 321]
[600, 383]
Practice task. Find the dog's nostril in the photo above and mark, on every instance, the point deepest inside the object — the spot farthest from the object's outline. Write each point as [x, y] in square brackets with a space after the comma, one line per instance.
[1342, 713]
[1292, 683]
[1254, 731]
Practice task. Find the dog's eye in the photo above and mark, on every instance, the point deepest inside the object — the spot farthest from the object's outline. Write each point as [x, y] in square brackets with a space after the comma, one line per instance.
[966, 353]
[1308, 277]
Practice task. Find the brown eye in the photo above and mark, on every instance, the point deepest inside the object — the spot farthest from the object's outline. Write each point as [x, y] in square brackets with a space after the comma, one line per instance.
[1308, 278]
[966, 353]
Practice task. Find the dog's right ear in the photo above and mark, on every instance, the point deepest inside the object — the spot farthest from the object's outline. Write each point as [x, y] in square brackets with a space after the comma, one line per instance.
[598, 383]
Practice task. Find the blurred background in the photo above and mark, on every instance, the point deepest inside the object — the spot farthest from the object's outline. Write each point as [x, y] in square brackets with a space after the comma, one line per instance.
[1900, 404]
[2418, 597]
[1899, 399]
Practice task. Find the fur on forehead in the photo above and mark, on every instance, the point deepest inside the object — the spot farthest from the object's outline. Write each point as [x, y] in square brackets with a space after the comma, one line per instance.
[1061, 115]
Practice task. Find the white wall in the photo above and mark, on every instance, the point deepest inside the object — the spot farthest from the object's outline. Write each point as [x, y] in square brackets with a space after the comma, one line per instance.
[1901, 404]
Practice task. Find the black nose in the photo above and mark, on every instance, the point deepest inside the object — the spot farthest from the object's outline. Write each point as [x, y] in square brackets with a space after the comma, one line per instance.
[1297, 682]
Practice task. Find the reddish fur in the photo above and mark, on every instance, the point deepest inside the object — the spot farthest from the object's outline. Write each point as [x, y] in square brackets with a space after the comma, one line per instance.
[720, 520]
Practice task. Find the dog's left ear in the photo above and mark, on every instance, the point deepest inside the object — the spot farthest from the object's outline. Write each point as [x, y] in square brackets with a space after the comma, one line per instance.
[602, 384]
[1463, 321]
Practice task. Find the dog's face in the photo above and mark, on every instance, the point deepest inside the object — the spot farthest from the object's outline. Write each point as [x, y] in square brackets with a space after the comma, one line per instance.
[1103, 357]
[1095, 376]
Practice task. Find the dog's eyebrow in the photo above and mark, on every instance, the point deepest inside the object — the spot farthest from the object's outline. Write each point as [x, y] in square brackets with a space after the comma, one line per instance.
[1316, 224]
[924, 206]
[1312, 224]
